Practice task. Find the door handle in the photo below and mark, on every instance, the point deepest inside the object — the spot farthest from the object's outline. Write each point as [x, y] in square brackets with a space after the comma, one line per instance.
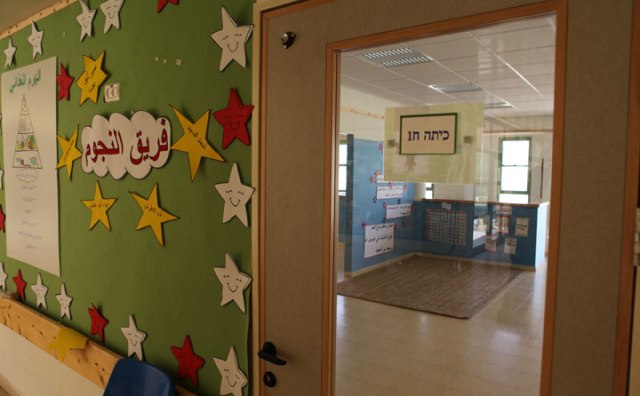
[269, 353]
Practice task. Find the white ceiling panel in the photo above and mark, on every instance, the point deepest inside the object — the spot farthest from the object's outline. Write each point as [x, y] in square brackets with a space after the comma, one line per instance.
[532, 55]
[511, 63]
[450, 49]
[517, 40]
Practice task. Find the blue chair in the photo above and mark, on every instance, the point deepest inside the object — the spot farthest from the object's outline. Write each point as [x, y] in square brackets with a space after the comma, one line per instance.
[132, 377]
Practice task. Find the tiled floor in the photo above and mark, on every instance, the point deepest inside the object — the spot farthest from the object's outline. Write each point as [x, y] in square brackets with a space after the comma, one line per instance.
[383, 350]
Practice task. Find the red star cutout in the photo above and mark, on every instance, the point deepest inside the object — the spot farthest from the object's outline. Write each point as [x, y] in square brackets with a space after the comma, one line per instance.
[162, 3]
[2, 219]
[64, 82]
[233, 119]
[98, 322]
[188, 361]
[20, 285]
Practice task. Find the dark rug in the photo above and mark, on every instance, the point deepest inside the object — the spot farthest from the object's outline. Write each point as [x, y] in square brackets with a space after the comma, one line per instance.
[448, 287]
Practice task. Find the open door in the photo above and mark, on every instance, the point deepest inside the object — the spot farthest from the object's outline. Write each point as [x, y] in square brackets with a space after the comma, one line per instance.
[298, 145]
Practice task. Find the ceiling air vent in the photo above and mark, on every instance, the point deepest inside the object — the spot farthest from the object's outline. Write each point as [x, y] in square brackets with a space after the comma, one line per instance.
[455, 87]
[498, 105]
[396, 57]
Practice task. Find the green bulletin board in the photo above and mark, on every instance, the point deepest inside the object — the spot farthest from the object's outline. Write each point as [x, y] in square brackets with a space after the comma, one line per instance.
[160, 60]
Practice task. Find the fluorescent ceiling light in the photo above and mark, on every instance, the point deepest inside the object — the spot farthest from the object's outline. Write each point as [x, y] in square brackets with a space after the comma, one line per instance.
[396, 57]
[455, 87]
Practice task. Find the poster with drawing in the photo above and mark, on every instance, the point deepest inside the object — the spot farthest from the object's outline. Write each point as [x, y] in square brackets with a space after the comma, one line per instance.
[378, 239]
[30, 157]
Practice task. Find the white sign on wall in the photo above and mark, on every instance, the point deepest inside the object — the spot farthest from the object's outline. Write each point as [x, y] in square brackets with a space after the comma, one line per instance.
[428, 134]
[378, 239]
[30, 158]
[400, 210]
[389, 192]
[119, 146]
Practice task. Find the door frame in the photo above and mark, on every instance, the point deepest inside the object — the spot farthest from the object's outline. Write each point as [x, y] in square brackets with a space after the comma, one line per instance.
[263, 10]
[626, 287]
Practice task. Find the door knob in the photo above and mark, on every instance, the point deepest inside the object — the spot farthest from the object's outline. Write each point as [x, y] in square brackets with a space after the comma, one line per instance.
[269, 353]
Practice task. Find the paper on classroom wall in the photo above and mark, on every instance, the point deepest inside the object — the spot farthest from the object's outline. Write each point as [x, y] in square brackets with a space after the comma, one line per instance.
[236, 196]
[134, 337]
[232, 378]
[232, 40]
[85, 20]
[389, 192]
[194, 141]
[30, 158]
[40, 290]
[9, 53]
[64, 83]
[70, 152]
[91, 79]
[3, 277]
[188, 361]
[400, 210]
[65, 302]
[378, 239]
[111, 11]
[491, 244]
[99, 207]
[233, 281]
[510, 245]
[522, 226]
[66, 340]
[35, 39]
[152, 214]
[117, 145]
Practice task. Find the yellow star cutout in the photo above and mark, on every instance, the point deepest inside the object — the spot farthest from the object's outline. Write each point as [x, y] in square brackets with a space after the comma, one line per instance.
[98, 207]
[91, 79]
[66, 340]
[152, 214]
[194, 141]
[69, 152]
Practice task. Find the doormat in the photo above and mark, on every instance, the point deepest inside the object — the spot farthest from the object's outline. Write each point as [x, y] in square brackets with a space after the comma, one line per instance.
[459, 289]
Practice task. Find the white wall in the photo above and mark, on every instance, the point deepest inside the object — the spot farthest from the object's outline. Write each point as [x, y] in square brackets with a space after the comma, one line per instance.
[26, 370]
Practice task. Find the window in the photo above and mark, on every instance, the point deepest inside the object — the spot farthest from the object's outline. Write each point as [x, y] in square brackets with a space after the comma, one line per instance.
[342, 169]
[515, 160]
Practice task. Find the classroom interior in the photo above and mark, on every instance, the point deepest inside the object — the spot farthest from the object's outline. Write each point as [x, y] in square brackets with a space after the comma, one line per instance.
[484, 205]
[481, 202]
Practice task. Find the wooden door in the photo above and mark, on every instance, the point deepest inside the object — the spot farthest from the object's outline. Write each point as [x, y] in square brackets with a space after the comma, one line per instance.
[297, 157]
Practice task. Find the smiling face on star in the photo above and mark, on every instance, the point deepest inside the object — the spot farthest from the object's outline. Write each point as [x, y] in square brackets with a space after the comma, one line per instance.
[85, 20]
[235, 197]
[233, 283]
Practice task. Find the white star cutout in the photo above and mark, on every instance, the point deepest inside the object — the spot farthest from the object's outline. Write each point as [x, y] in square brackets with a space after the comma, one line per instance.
[3, 277]
[233, 283]
[233, 380]
[41, 292]
[65, 302]
[236, 196]
[111, 11]
[9, 53]
[85, 20]
[36, 40]
[134, 338]
[232, 39]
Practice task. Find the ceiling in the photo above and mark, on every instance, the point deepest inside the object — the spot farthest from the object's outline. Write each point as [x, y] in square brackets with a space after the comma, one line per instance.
[509, 67]
[14, 11]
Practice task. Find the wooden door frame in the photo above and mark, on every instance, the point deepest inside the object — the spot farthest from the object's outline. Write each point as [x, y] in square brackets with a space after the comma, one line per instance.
[263, 10]
[625, 291]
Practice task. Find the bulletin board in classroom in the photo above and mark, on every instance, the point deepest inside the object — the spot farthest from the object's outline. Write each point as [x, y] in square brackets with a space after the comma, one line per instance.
[166, 274]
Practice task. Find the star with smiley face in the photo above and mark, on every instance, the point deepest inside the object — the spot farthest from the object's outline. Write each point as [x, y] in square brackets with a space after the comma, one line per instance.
[233, 380]
[232, 39]
[236, 196]
[233, 119]
[233, 283]
[111, 11]
[85, 20]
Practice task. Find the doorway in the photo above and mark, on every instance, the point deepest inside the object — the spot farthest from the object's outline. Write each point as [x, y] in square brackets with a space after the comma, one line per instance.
[441, 253]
